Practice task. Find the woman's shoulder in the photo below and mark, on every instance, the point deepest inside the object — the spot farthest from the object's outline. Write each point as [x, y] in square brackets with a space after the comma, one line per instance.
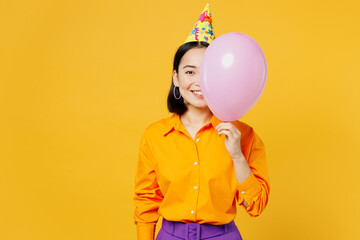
[160, 125]
[243, 127]
[246, 130]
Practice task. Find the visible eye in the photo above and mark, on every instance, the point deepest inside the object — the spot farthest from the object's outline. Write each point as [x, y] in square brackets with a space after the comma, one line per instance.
[190, 72]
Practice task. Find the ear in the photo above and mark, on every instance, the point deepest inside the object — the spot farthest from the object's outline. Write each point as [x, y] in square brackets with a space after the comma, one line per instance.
[175, 78]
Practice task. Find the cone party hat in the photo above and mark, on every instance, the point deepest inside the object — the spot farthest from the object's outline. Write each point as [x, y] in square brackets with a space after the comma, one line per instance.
[202, 30]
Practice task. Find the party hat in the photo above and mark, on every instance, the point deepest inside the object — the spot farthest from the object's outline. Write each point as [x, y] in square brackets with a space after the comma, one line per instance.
[202, 30]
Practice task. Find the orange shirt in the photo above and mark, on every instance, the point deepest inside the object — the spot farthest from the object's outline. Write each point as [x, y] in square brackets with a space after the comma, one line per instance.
[193, 180]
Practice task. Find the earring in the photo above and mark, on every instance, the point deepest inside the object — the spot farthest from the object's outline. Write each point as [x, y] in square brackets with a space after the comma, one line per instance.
[177, 98]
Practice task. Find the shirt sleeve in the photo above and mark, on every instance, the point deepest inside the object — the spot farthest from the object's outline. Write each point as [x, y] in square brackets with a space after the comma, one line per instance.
[148, 196]
[255, 189]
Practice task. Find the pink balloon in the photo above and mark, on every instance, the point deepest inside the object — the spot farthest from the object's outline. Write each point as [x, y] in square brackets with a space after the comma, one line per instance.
[233, 74]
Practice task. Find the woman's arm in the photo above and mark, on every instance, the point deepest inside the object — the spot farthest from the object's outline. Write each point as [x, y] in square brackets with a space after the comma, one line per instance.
[242, 172]
[253, 179]
[148, 196]
[253, 186]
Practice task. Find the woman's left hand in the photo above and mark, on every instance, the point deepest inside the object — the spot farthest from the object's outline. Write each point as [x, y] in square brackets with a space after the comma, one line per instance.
[232, 139]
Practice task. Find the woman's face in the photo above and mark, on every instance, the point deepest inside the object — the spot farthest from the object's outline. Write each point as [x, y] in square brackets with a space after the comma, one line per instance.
[187, 79]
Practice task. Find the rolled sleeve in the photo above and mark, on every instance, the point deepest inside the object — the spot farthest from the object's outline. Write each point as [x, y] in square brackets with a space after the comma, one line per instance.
[250, 189]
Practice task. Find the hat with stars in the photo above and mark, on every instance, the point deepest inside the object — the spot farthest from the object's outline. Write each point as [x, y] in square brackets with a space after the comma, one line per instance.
[202, 30]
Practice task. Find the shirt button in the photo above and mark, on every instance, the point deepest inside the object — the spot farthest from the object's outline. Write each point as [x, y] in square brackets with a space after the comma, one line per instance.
[192, 212]
[195, 187]
[195, 163]
[197, 139]
[242, 192]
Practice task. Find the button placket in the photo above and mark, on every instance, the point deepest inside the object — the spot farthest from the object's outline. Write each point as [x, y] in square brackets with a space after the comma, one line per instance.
[196, 163]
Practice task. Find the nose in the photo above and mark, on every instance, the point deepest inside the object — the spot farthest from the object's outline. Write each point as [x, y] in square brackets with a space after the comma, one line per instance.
[197, 80]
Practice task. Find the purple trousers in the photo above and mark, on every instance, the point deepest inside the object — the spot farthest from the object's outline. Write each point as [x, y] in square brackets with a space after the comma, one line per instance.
[171, 230]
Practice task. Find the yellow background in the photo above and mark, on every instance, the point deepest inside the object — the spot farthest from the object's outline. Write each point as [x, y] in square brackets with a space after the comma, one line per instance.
[80, 81]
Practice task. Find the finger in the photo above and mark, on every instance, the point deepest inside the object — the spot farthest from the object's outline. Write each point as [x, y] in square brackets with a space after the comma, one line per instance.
[230, 133]
[226, 132]
[222, 126]
[230, 128]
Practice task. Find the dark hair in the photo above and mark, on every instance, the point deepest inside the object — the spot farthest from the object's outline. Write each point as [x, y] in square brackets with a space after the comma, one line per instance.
[177, 105]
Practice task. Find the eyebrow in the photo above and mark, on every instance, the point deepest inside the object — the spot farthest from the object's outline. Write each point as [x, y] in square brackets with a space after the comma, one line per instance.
[192, 66]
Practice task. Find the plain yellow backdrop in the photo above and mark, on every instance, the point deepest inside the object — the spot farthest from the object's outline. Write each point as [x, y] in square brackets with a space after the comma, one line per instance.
[80, 81]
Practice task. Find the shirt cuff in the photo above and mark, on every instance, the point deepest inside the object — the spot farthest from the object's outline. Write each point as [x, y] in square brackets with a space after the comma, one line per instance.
[250, 189]
[145, 231]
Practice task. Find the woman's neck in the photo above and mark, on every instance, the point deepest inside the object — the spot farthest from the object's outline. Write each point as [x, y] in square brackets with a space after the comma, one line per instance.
[196, 117]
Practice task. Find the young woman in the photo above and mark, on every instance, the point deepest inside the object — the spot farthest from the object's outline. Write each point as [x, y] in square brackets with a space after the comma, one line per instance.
[193, 169]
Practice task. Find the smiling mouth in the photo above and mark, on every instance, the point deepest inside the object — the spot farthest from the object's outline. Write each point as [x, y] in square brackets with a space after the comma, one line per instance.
[199, 93]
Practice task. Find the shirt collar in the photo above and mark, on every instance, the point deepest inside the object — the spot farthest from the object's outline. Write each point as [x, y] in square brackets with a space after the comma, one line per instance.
[174, 122]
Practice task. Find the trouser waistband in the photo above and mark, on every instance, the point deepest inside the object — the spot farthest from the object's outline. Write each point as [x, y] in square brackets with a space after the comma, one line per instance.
[196, 231]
